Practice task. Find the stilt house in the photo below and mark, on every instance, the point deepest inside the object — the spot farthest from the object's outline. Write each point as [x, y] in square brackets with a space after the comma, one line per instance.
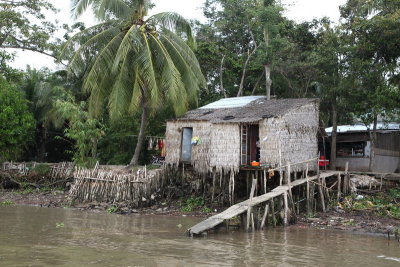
[231, 133]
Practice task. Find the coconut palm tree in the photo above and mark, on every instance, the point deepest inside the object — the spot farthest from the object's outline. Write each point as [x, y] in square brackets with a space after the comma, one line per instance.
[139, 62]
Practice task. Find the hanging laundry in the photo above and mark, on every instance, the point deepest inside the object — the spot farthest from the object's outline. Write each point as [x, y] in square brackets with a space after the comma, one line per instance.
[150, 146]
[160, 144]
[163, 149]
[157, 147]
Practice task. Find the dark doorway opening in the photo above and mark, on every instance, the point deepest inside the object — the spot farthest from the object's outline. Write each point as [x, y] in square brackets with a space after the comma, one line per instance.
[250, 144]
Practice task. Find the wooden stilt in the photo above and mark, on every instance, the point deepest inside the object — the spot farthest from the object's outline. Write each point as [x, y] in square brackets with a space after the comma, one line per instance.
[253, 186]
[213, 186]
[273, 212]
[286, 209]
[288, 179]
[265, 181]
[233, 186]
[264, 218]
[321, 193]
[339, 187]
[248, 182]
[256, 177]
[346, 179]
[252, 221]
[280, 164]
[308, 192]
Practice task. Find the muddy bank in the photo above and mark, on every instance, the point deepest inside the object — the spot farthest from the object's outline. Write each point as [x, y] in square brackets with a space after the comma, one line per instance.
[59, 199]
[338, 219]
[355, 221]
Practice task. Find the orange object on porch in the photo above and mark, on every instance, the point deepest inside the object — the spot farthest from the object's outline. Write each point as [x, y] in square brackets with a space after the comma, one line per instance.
[255, 163]
[323, 162]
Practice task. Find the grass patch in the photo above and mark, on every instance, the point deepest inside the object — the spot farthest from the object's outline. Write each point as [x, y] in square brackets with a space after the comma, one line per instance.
[383, 203]
[112, 209]
[6, 203]
[41, 169]
[191, 203]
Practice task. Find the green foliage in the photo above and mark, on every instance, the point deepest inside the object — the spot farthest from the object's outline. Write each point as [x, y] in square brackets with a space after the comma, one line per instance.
[82, 128]
[6, 203]
[23, 25]
[383, 203]
[206, 209]
[41, 169]
[350, 222]
[60, 225]
[16, 122]
[112, 209]
[135, 64]
[191, 204]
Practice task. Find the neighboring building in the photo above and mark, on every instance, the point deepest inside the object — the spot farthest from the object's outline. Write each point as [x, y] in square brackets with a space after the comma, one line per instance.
[354, 146]
[229, 134]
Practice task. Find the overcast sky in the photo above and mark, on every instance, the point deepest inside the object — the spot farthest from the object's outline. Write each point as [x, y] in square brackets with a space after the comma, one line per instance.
[298, 10]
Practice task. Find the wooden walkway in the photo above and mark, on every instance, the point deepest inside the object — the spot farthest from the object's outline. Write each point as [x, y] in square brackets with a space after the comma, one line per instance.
[242, 207]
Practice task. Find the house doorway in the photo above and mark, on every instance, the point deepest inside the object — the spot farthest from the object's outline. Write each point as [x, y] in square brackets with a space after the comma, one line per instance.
[186, 147]
[250, 144]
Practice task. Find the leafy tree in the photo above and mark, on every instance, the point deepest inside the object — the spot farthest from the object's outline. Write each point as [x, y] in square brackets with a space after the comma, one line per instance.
[140, 63]
[83, 129]
[23, 25]
[372, 30]
[331, 81]
[16, 122]
[240, 45]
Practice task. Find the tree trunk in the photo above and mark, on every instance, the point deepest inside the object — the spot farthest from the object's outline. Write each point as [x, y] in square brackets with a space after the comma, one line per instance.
[42, 149]
[258, 81]
[141, 137]
[268, 81]
[373, 141]
[333, 137]
[221, 82]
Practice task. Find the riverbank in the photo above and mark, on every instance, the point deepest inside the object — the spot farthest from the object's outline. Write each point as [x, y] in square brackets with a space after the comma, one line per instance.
[59, 199]
[359, 217]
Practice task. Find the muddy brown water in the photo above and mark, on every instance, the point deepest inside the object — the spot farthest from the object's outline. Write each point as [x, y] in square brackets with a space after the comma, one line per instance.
[33, 236]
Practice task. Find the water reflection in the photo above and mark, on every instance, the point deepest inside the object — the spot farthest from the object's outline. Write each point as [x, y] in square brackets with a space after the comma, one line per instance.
[29, 237]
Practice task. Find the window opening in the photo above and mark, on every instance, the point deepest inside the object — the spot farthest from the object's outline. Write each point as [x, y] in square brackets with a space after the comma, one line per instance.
[186, 148]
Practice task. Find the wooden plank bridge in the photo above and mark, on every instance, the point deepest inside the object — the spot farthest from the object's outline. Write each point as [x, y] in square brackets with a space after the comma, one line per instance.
[244, 206]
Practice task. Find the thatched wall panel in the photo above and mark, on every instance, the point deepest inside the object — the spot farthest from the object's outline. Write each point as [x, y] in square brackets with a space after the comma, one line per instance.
[225, 146]
[200, 153]
[295, 133]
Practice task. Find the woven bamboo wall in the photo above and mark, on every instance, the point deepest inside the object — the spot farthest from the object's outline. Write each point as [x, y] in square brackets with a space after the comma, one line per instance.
[296, 132]
[200, 153]
[225, 147]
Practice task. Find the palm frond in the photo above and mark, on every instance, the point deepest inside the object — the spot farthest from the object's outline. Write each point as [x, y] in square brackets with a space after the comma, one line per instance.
[131, 43]
[83, 36]
[175, 23]
[79, 60]
[80, 6]
[170, 79]
[121, 92]
[147, 72]
[137, 95]
[100, 77]
[173, 42]
[118, 8]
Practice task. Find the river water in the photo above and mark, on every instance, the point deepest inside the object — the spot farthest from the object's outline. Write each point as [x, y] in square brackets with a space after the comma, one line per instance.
[33, 236]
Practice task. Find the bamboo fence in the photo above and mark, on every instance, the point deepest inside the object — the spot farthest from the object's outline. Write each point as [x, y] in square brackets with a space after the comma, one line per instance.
[113, 187]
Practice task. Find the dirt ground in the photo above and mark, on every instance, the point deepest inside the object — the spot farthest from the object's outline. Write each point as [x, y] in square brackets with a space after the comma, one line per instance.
[354, 220]
[359, 221]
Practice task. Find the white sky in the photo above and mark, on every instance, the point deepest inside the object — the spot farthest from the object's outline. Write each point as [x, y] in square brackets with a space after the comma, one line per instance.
[298, 10]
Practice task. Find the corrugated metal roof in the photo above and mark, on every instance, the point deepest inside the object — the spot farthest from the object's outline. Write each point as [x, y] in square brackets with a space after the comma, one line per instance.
[232, 102]
[363, 128]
